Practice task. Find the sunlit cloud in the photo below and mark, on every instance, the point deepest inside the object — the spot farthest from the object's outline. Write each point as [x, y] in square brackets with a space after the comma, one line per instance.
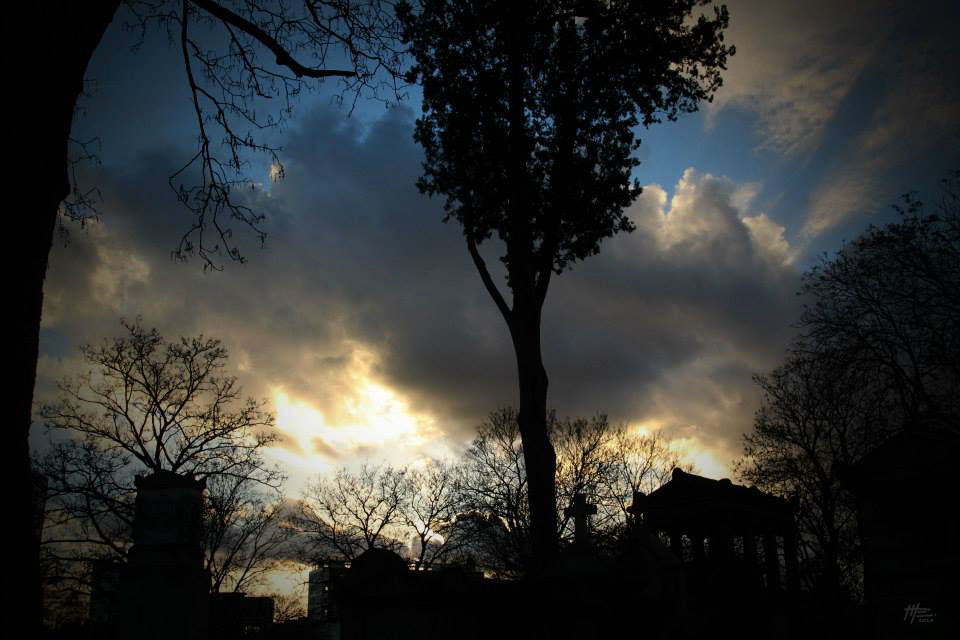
[708, 460]
[708, 212]
[369, 421]
[276, 172]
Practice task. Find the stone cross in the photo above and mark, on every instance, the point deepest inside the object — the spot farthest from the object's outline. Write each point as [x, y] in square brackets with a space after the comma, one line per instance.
[579, 510]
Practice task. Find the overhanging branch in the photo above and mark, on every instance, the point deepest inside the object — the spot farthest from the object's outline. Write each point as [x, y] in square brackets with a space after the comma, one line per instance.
[283, 57]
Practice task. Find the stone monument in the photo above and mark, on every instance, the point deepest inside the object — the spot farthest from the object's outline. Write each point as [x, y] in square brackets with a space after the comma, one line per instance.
[164, 587]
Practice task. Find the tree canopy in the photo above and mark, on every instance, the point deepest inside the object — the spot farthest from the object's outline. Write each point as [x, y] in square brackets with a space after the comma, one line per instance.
[887, 309]
[530, 111]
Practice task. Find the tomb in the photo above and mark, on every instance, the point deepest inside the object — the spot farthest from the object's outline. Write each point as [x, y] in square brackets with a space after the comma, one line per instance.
[321, 603]
[737, 548]
[745, 565]
[379, 596]
[717, 525]
[164, 587]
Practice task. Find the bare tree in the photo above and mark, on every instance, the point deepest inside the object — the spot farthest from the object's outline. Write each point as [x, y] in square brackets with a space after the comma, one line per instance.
[811, 426]
[637, 462]
[493, 495]
[90, 503]
[345, 514]
[606, 463]
[149, 405]
[244, 532]
[165, 405]
[356, 43]
[430, 507]
[288, 606]
[886, 308]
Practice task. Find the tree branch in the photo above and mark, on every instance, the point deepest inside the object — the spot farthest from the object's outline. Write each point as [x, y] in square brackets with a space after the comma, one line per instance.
[283, 57]
[488, 281]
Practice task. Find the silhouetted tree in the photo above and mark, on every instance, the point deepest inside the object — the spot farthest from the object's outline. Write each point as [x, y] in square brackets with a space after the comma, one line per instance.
[878, 352]
[347, 513]
[245, 532]
[812, 424]
[604, 462]
[407, 510]
[493, 496]
[47, 50]
[528, 126]
[288, 606]
[430, 508]
[476, 509]
[635, 461]
[887, 308]
[147, 405]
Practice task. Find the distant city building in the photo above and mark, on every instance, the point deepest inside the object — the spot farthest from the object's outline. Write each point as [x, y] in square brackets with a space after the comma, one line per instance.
[321, 605]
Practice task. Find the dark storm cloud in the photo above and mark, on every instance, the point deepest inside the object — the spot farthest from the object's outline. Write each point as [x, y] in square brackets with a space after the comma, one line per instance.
[860, 95]
[667, 323]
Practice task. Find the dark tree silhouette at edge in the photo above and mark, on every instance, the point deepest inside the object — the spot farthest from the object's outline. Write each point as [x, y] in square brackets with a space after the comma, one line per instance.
[528, 129]
[47, 47]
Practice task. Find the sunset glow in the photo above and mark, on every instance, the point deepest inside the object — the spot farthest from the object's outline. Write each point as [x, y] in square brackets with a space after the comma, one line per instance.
[370, 421]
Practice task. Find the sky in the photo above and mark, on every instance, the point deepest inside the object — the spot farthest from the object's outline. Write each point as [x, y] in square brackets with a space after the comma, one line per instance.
[362, 320]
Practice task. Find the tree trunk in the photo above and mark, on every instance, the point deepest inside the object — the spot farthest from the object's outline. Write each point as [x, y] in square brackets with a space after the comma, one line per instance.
[47, 46]
[538, 453]
[524, 318]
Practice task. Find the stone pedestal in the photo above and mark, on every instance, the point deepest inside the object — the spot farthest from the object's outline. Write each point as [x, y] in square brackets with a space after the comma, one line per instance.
[164, 589]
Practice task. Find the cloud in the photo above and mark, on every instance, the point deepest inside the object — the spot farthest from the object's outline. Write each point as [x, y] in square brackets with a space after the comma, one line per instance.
[797, 62]
[668, 324]
[768, 238]
[911, 129]
[365, 324]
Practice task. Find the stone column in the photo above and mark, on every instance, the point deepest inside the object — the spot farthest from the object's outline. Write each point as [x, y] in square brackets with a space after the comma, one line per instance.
[772, 561]
[696, 538]
[676, 543]
[749, 549]
[721, 543]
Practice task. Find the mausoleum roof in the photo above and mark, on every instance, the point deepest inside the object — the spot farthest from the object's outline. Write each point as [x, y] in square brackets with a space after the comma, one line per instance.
[688, 498]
